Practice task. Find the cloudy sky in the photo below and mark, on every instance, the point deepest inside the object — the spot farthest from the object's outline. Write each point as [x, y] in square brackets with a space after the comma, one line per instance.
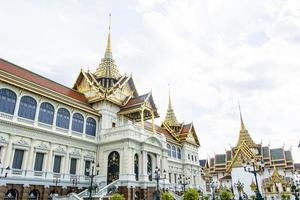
[213, 53]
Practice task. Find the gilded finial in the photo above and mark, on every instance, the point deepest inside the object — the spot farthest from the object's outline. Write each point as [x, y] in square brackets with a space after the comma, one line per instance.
[108, 52]
[170, 104]
[244, 135]
[241, 118]
[170, 116]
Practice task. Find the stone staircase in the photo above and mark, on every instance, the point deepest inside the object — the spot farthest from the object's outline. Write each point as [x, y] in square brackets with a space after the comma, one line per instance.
[99, 194]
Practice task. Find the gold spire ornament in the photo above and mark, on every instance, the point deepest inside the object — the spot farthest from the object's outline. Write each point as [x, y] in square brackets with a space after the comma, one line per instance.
[170, 118]
[244, 136]
[108, 52]
[107, 67]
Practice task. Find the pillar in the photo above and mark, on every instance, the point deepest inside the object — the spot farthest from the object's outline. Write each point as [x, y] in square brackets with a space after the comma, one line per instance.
[152, 120]
[142, 117]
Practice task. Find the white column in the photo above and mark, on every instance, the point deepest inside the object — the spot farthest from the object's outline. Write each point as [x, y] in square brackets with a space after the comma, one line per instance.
[49, 159]
[30, 157]
[17, 108]
[54, 118]
[158, 161]
[144, 175]
[66, 162]
[9, 153]
[36, 117]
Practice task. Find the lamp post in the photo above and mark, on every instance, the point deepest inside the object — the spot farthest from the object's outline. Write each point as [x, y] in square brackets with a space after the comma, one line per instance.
[158, 177]
[214, 186]
[184, 181]
[296, 184]
[251, 168]
[239, 186]
[91, 176]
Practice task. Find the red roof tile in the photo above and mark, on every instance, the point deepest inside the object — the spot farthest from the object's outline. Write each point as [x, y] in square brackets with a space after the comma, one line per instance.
[135, 101]
[39, 80]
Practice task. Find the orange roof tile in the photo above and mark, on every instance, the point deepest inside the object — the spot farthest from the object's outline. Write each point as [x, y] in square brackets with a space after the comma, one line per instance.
[40, 80]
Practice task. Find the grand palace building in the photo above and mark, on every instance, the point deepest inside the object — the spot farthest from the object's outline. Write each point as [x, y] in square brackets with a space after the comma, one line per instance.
[54, 138]
[100, 136]
[276, 171]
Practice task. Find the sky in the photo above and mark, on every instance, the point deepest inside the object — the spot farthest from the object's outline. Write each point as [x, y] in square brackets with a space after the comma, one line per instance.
[213, 53]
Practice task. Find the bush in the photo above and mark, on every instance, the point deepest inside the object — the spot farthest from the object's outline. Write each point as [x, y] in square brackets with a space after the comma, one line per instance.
[205, 197]
[191, 194]
[225, 194]
[117, 196]
[285, 196]
[167, 196]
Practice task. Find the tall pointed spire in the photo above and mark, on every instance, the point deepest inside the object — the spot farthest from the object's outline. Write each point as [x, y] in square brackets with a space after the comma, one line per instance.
[170, 118]
[108, 52]
[244, 136]
[107, 67]
[241, 118]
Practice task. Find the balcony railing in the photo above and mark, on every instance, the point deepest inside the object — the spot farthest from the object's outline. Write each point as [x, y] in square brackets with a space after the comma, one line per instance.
[29, 175]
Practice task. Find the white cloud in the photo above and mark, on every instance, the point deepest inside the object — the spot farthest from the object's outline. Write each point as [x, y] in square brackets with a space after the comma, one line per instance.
[212, 52]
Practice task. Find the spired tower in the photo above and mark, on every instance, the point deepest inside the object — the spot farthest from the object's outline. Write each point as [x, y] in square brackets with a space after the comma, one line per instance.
[128, 146]
[244, 151]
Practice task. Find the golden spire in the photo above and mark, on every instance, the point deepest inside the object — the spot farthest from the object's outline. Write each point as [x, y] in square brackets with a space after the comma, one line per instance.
[241, 118]
[244, 136]
[107, 67]
[108, 52]
[170, 118]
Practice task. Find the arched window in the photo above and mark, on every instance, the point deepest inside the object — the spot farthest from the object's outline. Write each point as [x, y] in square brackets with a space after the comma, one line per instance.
[27, 107]
[11, 194]
[169, 150]
[7, 101]
[137, 196]
[136, 166]
[173, 151]
[90, 128]
[149, 167]
[178, 153]
[34, 195]
[77, 122]
[63, 118]
[46, 113]
[113, 167]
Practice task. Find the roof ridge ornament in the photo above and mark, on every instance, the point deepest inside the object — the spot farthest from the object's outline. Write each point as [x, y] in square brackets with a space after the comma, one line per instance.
[244, 136]
[107, 67]
[170, 118]
[108, 51]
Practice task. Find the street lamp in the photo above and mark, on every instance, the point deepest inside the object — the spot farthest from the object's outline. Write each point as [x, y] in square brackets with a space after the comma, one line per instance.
[184, 181]
[158, 177]
[214, 186]
[295, 186]
[251, 168]
[91, 176]
[239, 186]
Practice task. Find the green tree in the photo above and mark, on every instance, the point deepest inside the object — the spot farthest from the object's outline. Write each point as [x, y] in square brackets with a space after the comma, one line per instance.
[117, 196]
[225, 194]
[285, 196]
[167, 196]
[191, 194]
[205, 197]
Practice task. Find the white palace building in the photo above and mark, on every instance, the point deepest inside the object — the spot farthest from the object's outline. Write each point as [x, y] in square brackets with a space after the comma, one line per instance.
[54, 138]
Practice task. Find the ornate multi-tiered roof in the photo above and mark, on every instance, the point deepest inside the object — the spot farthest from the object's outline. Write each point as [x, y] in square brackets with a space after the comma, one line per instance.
[247, 149]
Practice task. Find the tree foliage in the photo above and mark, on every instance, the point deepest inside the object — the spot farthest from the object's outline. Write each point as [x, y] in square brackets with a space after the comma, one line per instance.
[285, 196]
[191, 194]
[225, 194]
[167, 196]
[117, 196]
